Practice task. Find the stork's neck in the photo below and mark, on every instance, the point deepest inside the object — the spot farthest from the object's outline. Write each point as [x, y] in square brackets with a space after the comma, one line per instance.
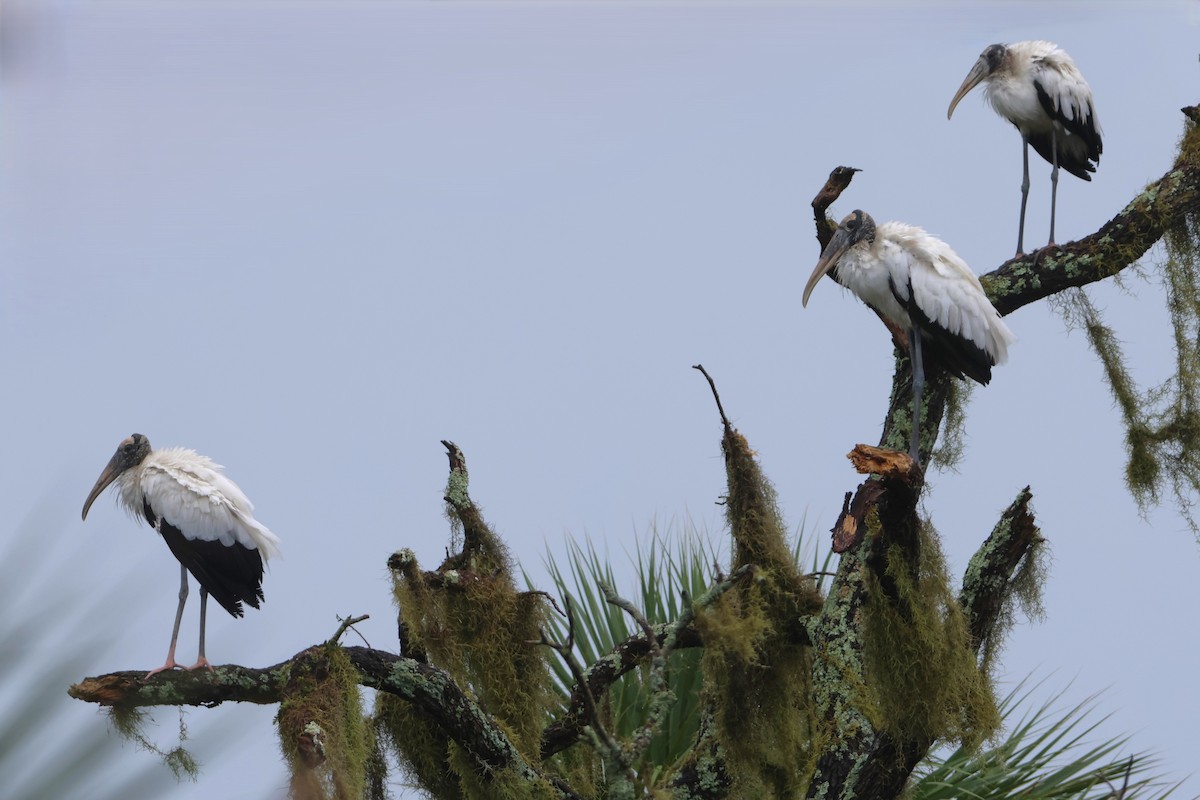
[129, 483]
[861, 257]
[864, 270]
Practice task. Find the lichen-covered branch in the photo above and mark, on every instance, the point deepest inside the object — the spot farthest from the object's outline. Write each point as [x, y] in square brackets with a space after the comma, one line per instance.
[599, 676]
[469, 619]
[997, 570]
[882, 514]
[429, 689]
[483, 550]
[877, 763]
[1120, 242]
[223, 684]
[757, 713]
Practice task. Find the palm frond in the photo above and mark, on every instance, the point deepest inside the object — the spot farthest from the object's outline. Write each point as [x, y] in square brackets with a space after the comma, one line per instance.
[1046, 755]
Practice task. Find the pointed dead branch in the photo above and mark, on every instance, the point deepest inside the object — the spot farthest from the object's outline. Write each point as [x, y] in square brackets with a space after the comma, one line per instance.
[712, 385]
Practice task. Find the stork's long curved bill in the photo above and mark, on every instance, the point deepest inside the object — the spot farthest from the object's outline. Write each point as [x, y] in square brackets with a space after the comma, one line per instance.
[973, 79]
[833, 251]
[110, 473]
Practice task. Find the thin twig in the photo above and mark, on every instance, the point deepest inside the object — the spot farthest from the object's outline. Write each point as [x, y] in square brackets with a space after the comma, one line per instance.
[712, 385]
[1120, 795]
[567, 651]
[550, 597]
[348, 622]
[614, 599]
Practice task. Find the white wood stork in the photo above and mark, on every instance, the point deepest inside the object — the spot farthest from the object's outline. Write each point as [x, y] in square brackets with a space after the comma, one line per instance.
[919, 283]
[204, 518]
[1037, 87]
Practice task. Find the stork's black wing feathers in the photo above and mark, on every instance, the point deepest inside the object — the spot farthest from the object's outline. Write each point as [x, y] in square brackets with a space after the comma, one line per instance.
[955, 354]
[1072, 160]
[232, 574]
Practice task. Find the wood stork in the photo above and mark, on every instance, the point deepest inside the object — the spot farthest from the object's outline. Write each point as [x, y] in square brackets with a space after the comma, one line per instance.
[204, 518]
[1037, 87]
[919, 283]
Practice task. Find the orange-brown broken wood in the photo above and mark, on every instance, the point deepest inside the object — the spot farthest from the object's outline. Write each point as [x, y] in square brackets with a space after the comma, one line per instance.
[107, 690]
[869, 460]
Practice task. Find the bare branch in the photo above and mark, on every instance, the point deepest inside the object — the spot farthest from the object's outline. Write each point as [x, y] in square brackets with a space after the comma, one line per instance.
[837, 182]
[1114, 247]
[712, 385]
[610, 746]
[348, 622]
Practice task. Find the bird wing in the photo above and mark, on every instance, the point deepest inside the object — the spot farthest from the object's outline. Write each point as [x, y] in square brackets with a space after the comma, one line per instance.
[950, 296]
[193, 495]
[1067, 99]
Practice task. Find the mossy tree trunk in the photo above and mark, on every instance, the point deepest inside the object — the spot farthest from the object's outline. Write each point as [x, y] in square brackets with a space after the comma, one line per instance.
[834, 695]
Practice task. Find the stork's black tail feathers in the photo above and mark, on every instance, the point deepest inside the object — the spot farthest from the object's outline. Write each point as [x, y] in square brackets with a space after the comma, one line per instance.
[955, 354]
[232, 574]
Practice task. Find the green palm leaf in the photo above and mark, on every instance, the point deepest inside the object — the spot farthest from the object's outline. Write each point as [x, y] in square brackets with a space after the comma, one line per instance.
[1047, 754]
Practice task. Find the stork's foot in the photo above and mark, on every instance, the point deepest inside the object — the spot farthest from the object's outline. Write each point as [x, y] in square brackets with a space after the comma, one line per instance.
[201, 664]
[171, 664]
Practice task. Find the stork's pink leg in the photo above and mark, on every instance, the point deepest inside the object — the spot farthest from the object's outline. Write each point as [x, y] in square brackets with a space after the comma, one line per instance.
[202, 661]
[183, 593]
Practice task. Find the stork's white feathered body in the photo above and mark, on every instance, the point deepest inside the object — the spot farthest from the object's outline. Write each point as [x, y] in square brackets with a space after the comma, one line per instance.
[193, 494]
[1037, 87]
[917, 282]
[205, 519]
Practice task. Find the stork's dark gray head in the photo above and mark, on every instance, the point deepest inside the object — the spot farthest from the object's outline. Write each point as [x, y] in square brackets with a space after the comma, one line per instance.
[856, 227]
[130, 452]
[992, 58]
[994, 55]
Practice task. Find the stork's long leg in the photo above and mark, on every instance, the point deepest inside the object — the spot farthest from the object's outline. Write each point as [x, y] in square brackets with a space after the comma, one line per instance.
[183, 593]
[1053, 182]
[918, 382]
[1024, 197]
[202, 661]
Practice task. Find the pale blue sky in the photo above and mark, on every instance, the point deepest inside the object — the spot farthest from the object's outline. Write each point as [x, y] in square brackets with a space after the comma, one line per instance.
[310, 240]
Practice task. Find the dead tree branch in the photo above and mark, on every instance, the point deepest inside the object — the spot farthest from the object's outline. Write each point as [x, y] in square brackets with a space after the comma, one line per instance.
[428, 688]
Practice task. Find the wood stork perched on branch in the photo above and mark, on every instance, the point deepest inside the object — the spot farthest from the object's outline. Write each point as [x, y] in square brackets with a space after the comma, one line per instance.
[204, 518]
[1037, 87]
[914, 280]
